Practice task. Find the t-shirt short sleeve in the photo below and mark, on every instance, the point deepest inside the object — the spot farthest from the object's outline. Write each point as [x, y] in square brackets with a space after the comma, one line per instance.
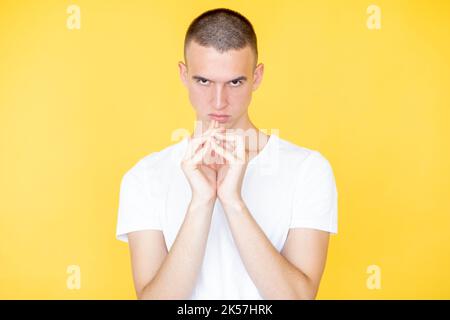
[138, 207]
[315, 195]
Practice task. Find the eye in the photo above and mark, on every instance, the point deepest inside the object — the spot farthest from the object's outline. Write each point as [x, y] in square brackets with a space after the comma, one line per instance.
[203, 82]
[235, 83]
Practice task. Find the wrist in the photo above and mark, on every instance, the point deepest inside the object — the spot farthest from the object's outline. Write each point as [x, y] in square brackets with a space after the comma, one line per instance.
[202, 201]
[234, 203]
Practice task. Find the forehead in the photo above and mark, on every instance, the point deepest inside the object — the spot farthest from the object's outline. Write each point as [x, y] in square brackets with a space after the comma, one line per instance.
[212, 64]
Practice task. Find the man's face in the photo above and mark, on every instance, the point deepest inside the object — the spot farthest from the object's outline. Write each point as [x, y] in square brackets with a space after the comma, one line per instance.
[221, 84]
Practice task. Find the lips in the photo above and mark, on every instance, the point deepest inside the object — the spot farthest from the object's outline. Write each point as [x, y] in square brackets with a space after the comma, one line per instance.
[219, 118]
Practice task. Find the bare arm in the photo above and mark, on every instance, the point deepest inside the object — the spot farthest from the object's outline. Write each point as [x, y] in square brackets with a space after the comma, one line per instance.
[159, 274]
[293, 273]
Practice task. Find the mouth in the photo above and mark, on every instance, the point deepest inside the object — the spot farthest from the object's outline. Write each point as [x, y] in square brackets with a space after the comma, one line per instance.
[219, 118]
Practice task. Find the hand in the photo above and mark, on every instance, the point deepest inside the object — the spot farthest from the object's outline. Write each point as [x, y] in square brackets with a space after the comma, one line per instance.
[201, 174]
[230, 174]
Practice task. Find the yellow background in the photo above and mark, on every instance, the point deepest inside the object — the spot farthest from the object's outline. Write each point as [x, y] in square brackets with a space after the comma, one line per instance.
[78, 108]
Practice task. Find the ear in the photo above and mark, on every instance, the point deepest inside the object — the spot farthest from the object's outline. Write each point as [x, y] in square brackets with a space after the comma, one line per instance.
[183, 72]
[257, 76]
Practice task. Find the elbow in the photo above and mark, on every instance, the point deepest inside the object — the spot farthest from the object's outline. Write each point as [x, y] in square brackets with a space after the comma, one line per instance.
[144, 293]
[140, 295]
[307, 296]
[304, 295]
[306, 290]
[151, 293]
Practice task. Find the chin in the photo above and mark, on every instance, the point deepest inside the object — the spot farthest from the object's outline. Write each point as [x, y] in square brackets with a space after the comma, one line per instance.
[227, 124]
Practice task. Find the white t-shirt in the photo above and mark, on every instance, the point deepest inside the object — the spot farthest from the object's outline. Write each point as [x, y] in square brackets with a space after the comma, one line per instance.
[285, 186]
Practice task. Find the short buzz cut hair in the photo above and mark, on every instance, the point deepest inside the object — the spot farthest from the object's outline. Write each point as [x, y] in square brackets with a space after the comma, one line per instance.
[223, 29]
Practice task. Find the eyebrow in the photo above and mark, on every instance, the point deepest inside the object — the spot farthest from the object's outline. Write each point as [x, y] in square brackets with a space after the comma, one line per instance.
[243, 78]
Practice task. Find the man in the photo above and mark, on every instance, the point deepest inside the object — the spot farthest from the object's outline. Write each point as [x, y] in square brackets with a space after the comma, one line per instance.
[225, 228]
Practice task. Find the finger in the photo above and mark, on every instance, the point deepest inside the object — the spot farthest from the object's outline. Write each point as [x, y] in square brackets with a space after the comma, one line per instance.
[220, 157]
[227, 136]
[198, 132]
[230, 145]
[214, 127]
[195, 144]
[209, 132]
[225, 153]
[197, 158]
[236, 147]
[233, 140]
[212, 124]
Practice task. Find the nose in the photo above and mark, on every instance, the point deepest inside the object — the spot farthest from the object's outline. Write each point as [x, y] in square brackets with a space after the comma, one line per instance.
[220, 98]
